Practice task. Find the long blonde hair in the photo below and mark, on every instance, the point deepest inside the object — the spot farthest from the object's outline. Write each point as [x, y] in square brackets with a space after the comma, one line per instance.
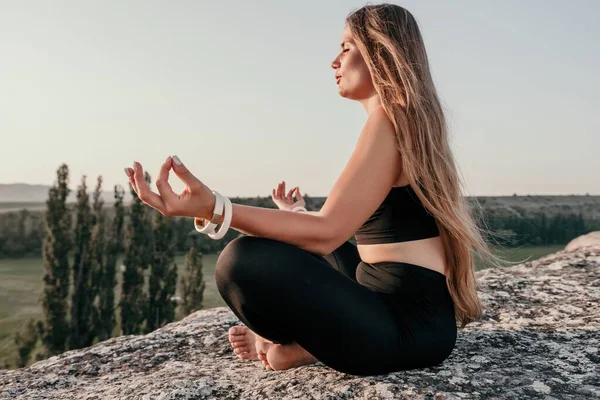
[391, 44]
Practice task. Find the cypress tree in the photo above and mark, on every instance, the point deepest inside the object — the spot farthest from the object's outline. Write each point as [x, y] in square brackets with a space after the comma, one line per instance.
[163, 274]
[82, 297]
[25, 343]
[98, 252]
[192, 283]
[138, 255]
[107, 278]
[54, 328]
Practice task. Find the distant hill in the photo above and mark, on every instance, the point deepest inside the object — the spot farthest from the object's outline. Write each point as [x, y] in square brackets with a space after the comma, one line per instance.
[28, 196]
[587, 205]
[17, 196]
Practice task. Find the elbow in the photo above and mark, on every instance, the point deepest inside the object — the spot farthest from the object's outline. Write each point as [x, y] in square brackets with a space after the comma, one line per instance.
[328, 244]
[321, 246]
[330, 236]
[326, 241]
[321, 250]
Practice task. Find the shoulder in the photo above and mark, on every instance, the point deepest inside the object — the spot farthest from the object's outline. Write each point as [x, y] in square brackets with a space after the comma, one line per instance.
[365, 181]
[379, 127]
[380, 121]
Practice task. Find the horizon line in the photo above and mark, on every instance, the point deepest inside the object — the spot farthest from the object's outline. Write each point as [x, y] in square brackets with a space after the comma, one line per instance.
[470, 195]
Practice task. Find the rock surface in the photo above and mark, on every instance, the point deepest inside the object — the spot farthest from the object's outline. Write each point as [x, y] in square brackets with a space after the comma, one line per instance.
[539, 338]
[591, 239]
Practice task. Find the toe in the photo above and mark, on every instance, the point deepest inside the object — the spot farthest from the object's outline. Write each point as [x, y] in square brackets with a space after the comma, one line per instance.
[240, 351]
[267, 366]
[237, 338]
[237, 330]
[247, 356]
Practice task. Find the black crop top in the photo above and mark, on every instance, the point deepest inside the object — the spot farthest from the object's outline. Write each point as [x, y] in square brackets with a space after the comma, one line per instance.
[400, 218]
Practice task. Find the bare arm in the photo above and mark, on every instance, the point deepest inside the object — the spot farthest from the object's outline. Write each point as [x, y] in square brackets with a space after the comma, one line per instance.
[250, 234]
[304, 230]
[360, 189]
[284, 202]
[311, 212]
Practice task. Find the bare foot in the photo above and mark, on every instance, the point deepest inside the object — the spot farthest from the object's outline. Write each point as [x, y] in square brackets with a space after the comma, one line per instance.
[262, 348]
[247, 345]
[243, 341]
[286, 356]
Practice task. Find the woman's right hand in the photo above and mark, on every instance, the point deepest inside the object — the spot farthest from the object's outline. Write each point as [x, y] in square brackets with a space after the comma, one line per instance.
[284, 202]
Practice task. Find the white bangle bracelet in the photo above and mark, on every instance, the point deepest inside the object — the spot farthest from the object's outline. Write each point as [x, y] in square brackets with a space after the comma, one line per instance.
[226, 221]
[217, 213]
[298, 208]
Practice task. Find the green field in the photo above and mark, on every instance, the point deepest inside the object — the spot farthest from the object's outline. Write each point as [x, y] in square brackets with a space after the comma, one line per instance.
[523, 254]
[21, 285]
[6, 206]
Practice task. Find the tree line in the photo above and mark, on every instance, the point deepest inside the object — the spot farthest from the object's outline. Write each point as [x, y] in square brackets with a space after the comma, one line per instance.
[522, 229]
[80, 250]
[21, 233]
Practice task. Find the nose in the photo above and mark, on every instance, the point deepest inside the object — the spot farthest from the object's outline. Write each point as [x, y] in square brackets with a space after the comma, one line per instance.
[335, 64]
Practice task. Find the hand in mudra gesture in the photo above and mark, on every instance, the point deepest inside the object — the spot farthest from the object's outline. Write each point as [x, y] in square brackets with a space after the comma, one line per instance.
[196, 200]
[287, 202]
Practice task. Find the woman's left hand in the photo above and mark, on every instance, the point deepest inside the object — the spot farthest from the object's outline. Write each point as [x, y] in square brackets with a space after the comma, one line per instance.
[196, 200]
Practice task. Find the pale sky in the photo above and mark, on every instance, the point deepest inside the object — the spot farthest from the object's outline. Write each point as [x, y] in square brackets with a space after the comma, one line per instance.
[243, 92]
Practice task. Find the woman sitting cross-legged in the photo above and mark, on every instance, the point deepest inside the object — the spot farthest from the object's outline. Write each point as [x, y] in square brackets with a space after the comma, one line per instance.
[302, 290]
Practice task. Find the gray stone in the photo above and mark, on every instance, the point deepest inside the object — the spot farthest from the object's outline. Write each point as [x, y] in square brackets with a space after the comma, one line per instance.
[539, 338]
[591, 239]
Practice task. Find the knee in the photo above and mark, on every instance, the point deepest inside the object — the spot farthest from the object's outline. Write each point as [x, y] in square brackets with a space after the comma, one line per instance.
[235, 262]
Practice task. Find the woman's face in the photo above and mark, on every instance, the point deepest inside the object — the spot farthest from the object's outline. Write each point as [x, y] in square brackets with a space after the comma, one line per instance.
[351, 72]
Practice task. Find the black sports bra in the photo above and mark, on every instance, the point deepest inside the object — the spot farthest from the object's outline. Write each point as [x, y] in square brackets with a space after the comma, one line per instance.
[400, 218]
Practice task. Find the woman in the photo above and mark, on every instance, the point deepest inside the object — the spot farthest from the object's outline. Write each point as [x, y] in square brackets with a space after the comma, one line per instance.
[392, 301]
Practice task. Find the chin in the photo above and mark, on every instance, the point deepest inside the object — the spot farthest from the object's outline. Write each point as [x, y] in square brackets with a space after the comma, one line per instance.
[344, 92]
[349, 95]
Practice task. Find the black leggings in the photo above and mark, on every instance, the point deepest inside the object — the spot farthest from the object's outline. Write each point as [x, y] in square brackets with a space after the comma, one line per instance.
[357, 318]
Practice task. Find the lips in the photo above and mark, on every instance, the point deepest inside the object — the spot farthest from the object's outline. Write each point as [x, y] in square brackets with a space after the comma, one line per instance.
[337, 78]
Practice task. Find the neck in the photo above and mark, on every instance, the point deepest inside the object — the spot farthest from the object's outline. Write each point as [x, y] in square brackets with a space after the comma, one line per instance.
[371, 103]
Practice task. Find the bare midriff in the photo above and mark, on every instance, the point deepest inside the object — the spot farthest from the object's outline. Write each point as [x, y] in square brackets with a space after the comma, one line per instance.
[428, 253]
